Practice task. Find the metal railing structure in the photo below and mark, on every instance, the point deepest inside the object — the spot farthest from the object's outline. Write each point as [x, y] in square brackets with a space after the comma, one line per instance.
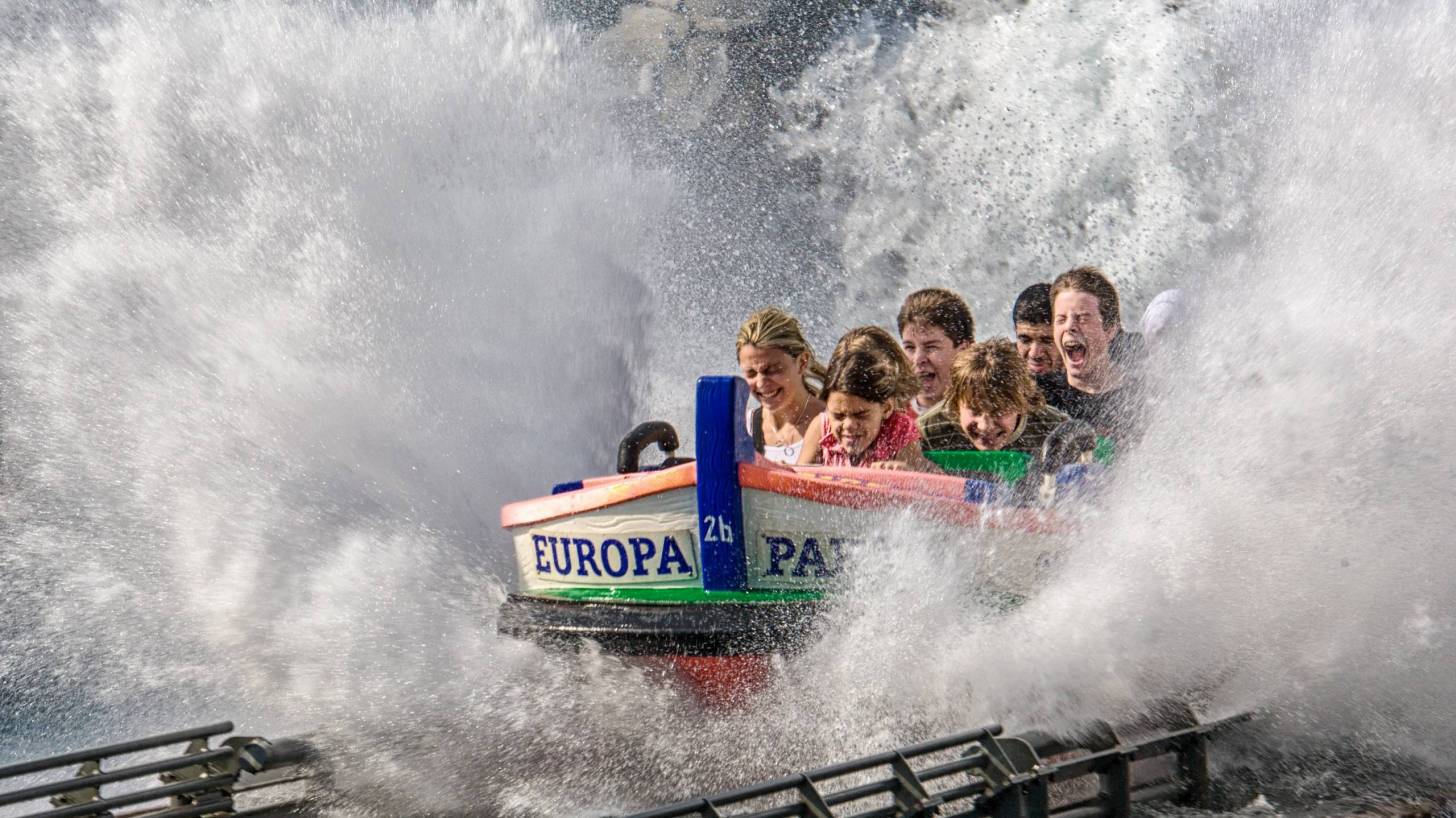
[201, 781]
[976, 774]
[979, 774]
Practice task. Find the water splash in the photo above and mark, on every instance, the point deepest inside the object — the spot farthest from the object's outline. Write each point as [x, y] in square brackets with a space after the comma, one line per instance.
[1009, 142]
[1278, 541]
[288, 285]
[285, 285]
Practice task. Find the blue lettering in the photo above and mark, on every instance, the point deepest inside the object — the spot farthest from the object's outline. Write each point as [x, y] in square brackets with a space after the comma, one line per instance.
[586, 553]
[779, 549]
[837, 545]
[561, 554]
[672, 553]
[539, 541]
[610, 547]
[811, 555]
[643, 549]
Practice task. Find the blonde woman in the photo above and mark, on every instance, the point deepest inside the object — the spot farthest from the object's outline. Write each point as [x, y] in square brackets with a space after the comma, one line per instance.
[783, 376]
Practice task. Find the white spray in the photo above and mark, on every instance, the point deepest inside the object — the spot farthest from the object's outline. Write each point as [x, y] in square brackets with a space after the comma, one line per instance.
[1279, 540]
[286, 287]
[291, 293]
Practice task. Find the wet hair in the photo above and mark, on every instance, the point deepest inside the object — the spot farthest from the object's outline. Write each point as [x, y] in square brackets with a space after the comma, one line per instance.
[991, 378]
[773, 328]
[1033, 306]
[865, 373]
[1095, 283]
[879, 341]
[939, 308]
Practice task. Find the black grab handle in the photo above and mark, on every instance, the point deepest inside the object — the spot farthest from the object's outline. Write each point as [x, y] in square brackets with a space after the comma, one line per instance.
[629, 451]
[1067, 444]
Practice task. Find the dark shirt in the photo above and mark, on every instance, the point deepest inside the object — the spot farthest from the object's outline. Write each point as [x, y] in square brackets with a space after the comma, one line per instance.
[1115, 414]
[940, 430]
[1128, 350]
[1039, 423]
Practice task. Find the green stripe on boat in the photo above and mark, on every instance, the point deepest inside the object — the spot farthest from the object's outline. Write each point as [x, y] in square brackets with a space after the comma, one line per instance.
[1009, 466]
[674, 596]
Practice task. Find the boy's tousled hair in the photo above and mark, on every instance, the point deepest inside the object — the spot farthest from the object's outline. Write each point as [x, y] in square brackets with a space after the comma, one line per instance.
[939, 308]
[991, 378]
[1095, 283]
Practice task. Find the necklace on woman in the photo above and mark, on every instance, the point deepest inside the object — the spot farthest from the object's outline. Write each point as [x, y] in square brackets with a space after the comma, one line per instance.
[780, 434]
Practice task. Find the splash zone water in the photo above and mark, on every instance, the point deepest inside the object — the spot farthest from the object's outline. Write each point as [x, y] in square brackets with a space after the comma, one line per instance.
[275, 281]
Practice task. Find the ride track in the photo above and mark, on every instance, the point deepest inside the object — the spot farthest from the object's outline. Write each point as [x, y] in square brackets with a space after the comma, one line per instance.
[974, 774]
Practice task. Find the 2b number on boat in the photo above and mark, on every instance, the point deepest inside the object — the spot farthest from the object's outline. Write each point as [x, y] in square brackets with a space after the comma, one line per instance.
[716, 529]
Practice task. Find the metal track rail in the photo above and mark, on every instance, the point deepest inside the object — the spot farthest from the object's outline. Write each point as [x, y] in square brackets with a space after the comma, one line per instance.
[201, 781]
[979, 774]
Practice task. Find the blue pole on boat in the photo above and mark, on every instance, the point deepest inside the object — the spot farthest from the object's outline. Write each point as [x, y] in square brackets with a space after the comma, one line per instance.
[723, 443]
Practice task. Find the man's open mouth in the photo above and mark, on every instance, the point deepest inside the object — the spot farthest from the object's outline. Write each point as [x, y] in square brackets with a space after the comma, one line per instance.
[1074, 351]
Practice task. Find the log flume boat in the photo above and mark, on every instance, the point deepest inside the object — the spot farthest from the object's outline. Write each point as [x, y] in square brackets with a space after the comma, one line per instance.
[709, 566]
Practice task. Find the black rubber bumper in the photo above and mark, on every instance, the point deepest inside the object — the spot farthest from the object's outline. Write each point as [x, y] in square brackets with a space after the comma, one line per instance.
[628, 629]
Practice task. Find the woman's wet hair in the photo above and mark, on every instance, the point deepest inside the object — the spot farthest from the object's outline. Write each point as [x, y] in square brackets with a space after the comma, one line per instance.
[991, 378]
[864, 372]
[773, 328]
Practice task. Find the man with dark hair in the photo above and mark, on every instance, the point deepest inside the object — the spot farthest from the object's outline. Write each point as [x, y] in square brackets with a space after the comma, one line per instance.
[1031, 319]
[934, 325]
[1094, 385]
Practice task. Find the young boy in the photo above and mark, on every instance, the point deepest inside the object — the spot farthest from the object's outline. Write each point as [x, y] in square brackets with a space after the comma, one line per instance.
[934, 325]
[996, 401]
[1094, 385]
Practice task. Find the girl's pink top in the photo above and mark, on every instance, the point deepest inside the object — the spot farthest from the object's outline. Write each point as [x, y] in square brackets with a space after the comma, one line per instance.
[896, 432]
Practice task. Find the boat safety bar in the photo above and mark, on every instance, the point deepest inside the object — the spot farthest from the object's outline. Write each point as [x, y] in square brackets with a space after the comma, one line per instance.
[979, 774]
[201, 781]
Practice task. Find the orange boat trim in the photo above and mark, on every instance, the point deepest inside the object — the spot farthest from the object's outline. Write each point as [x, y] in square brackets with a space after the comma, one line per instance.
[852, 492]
[937, 496]
[598, 493]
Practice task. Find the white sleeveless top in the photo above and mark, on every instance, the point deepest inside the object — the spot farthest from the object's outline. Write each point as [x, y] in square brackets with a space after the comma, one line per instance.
[788, 455]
